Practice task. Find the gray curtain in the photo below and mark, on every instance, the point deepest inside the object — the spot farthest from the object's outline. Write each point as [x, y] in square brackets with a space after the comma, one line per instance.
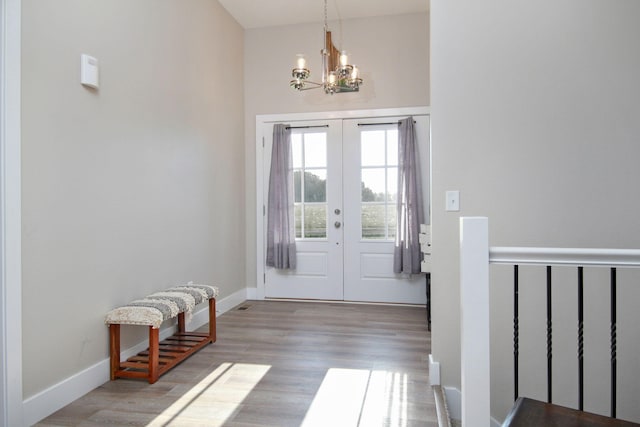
[281, 239]
[407, 255]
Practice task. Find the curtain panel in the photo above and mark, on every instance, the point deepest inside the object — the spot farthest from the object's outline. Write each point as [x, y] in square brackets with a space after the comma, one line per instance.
[410, 211]
[281, 241]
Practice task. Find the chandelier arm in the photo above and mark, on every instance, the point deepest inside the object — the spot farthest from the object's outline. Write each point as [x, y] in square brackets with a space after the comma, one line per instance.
[309, 88]
[315, 85]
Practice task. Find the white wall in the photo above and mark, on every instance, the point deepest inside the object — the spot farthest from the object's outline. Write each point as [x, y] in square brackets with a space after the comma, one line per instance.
[392, 52]
[535, 120]
[132, 188]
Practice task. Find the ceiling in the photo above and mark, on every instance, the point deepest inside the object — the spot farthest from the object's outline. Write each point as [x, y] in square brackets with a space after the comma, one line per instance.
[270, 13]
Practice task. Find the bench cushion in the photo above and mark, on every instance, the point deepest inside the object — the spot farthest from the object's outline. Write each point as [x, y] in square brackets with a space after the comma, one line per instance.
[147, 316]
[199, 292]
[160, 306]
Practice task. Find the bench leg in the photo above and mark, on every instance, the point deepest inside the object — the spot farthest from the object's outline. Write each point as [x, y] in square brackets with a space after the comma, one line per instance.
[154, 351]
[212, 319]
[114, 349]
[181, 323]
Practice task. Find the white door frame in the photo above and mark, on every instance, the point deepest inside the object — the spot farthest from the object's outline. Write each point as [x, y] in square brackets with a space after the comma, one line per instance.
[10, 212]
[10, 217]
[261, 120]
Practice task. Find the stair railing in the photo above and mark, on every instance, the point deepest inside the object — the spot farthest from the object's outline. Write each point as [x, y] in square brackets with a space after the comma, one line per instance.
[475, 257]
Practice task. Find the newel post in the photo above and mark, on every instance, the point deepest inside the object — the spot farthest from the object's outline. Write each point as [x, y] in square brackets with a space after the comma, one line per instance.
[474, 321]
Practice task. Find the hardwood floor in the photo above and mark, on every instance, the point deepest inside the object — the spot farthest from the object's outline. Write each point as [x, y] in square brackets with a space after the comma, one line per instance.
[280, 363]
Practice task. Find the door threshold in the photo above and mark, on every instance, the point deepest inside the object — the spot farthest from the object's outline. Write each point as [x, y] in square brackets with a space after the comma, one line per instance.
[396, 304]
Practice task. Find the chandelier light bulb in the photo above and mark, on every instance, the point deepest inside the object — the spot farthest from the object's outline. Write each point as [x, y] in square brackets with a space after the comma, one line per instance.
[332, 78]
[301, 62]
[343, 58]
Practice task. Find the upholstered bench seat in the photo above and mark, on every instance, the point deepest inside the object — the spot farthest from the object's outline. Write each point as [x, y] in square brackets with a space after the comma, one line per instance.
[177, 302]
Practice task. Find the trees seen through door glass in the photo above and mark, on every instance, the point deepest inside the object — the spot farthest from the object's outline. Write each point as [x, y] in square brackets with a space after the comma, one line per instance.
[379, 181]
[309, 150]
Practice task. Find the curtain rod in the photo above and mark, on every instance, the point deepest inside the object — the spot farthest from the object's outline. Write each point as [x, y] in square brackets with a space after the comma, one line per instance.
[306, 127]
[380, 124]
[359, 124]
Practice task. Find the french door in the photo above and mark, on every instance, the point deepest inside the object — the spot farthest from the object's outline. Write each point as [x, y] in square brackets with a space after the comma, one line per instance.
[345, 187]
[317, 175]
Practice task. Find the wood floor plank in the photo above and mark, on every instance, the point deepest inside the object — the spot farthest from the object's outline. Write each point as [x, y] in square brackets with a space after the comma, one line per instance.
[280, 363]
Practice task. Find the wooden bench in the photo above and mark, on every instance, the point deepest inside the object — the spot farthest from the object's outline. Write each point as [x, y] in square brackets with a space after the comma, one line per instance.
[178, 302]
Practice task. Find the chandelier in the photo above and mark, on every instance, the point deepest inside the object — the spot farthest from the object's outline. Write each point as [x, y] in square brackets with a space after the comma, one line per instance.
[337, 74]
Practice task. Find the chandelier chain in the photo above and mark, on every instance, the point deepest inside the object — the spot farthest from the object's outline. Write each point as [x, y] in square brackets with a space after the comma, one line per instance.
[326, 20]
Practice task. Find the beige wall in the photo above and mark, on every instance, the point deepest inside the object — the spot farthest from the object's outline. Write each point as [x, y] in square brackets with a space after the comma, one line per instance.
[134, 187]
[535, 120]
[392, 52]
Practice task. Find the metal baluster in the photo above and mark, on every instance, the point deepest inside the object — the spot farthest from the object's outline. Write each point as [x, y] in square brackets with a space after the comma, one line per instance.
[549, 334]
[613, 343]
[515, 332]
[580, 339]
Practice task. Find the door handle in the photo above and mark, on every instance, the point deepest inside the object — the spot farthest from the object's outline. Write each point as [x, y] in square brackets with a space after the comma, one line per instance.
[337, 224]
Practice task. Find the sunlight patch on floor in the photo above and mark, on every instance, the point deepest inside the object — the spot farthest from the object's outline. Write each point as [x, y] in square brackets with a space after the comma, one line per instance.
[359, 397]
[386, 400]
[216, 398]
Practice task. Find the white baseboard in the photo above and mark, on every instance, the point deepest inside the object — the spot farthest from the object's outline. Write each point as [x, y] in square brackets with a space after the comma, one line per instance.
[252, 293]
[225, 304]
[454, 403]
[59, 395]
[48, 401]
[434, 371]
[452, 394]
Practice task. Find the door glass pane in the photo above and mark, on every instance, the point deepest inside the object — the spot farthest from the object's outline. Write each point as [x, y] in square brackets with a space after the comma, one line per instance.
[392, 147]
[392, 184]
[315, 185]
[372, 147]
[379, 170]
[309, 150]
[297, 214]
[297, 186]
[296, 150]
[315, 221]
[392, 212]
[315, 150]
[373, 185]
[373, 221]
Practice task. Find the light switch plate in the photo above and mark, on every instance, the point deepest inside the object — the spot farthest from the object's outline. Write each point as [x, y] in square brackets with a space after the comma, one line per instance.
[89, 75]
[453, 201]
